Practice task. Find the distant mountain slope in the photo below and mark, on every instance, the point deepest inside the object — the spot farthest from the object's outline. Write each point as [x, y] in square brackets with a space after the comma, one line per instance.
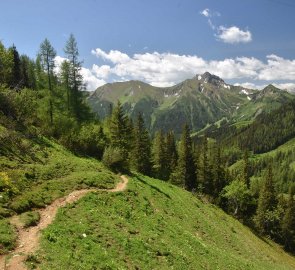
[199, 101]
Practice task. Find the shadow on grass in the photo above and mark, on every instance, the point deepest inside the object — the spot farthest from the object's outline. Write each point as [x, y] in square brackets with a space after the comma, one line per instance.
[152, 186]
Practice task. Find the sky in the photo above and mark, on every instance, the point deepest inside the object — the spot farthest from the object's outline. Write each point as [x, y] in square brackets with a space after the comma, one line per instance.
[162, 42]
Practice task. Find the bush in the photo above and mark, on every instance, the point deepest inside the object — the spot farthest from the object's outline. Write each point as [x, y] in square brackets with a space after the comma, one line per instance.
[31, 218]
[114, 159]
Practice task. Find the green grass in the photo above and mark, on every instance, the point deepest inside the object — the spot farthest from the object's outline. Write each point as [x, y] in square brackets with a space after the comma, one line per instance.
[7, 236]
[30, 218]
[153, 225]
[43, 173]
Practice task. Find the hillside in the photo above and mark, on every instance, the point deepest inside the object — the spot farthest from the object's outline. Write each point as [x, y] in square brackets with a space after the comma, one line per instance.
[199, 101]
[36, 171]
[153, 225]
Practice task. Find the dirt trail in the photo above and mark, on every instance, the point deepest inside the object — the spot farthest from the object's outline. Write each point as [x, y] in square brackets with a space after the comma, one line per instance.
[28, 238]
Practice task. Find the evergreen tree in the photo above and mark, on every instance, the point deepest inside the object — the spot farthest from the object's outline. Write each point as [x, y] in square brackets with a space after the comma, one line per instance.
[170, 153]
[120, 131]
[204, 169]
[266, 204]
[47, 54]
[28, 71]
[6, 64]
[16, 80]
[288, 223]
[185, 172]
[65, 82]
[246, 169]
[218, 172]
[159, 156]
[141, 154]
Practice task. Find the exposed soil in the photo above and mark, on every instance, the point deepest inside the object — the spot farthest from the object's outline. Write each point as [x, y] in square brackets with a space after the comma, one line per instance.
[28, 238]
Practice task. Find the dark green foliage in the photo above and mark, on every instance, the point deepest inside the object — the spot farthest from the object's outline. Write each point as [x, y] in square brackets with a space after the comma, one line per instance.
[185, 171]
[268, 131]
[115, 159]
[159, 156]
[218, 172]
[141, 153]
[205, 169]
[266, 204]
[47, 54]
[8, 236]
[288, 222]
[120, 130]
[16, 78]
[30, 218]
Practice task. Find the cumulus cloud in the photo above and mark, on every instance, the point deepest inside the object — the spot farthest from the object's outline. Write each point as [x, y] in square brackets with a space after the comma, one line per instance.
[230, 35]
[167, 69]
[233, 35]
[113, 56]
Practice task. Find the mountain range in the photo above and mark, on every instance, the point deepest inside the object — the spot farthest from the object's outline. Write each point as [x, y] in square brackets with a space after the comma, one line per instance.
[200, 101]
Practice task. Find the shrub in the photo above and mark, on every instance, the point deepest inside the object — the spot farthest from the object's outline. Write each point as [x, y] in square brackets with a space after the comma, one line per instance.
[114, 159]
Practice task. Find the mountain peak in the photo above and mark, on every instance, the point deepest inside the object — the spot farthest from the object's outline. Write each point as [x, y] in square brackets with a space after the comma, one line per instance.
[210, 78]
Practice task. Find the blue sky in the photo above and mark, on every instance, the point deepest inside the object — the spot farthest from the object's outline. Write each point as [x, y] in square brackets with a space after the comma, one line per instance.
[162, 42]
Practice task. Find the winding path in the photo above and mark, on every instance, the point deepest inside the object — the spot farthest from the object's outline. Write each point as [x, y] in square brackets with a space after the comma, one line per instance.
[28, 238]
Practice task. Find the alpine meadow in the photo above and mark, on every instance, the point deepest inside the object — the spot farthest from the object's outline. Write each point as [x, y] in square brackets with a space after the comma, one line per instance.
[169, 146]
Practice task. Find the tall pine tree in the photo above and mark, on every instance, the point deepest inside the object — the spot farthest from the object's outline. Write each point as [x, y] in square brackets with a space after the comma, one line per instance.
[288, 223]
[159, 156]
[141, 154]
[266, 203]
[185, 172]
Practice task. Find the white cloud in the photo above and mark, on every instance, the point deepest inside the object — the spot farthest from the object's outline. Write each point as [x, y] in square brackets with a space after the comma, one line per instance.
[278, 68]
[92, 82]
[101, 71]
[166, 69]
[233, 35]
[114, 56]
[286, 86]
[206, 12]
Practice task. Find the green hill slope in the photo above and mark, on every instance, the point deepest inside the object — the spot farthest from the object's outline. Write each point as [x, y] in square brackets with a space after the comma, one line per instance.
[153, 225]
[36, 171]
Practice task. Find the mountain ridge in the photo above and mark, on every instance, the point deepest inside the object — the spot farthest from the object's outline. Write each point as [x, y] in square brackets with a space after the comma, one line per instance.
[201, 100]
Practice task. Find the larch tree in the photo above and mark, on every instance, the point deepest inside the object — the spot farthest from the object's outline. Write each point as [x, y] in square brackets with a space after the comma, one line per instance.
[47, 55]
[75, 78]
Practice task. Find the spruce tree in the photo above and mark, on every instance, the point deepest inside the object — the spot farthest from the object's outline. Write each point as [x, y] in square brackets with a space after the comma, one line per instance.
[288, 223]
[141, 154]
[246, 169]
[120, 131]
[170, 153]
[16, 80]
[185, 172]
[218, 171]
[266, 203]
[205, 169]
[159, 156]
